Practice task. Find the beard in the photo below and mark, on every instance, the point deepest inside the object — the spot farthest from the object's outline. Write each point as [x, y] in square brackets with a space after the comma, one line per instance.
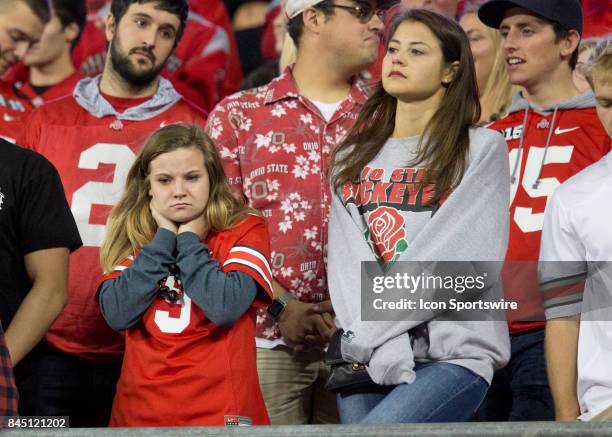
[126, 69]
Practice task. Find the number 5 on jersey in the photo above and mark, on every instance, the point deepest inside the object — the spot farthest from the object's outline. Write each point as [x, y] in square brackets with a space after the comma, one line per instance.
[525, 218]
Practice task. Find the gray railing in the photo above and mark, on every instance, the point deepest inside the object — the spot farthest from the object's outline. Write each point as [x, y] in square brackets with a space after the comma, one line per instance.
[492, 429]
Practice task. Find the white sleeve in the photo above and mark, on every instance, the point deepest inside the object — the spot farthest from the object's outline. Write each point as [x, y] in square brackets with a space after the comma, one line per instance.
[559, 240]
[562, 268]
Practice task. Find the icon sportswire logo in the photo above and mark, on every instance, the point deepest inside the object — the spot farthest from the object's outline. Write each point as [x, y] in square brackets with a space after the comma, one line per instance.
[1, 199]
[560, 131]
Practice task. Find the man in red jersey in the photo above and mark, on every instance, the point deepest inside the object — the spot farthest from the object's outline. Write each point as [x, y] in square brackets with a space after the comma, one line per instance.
[92, 137]
[21, 24]
[197, 68]
[552, 132]
[47, 71]
[275, 142]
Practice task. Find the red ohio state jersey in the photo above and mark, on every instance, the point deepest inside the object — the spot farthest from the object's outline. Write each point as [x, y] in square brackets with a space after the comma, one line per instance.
[180, 369]
[20, 77]
[13, 108]
[577, 139]
[215, 11]
[93, 156]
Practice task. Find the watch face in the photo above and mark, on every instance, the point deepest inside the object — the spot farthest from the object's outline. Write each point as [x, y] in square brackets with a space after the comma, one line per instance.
[276, 308]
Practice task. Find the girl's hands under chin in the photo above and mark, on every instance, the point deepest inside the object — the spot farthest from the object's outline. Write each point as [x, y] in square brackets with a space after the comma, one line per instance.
[162, 221]
[198, 226]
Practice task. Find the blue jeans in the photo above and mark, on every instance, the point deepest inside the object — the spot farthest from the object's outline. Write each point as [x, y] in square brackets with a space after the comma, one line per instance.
[520, 391]
[441, 392]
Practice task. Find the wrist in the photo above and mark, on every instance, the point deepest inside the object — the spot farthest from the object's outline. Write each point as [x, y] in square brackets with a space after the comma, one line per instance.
[280, 304]
[164, 240]
[568, 414]
[185, 230]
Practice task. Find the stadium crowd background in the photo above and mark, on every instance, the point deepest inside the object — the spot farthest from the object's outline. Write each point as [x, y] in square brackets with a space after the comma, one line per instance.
[225, 47]
[241, 44]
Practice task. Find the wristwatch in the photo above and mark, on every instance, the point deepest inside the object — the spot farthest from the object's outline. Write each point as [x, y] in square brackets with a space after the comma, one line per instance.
[279, 304]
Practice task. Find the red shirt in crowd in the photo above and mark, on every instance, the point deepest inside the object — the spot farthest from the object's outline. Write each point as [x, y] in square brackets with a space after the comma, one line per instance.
[597, 18]
[93, 155]
[13, 108]
[577, 139]
[215, 11]
[180, 369]
[20, 77]
[276, 146]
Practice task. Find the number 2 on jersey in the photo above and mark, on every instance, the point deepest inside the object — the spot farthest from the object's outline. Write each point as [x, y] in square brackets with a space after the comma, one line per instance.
[100, 193]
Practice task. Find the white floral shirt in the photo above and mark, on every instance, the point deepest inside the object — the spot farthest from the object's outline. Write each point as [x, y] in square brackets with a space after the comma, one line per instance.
[276, 146]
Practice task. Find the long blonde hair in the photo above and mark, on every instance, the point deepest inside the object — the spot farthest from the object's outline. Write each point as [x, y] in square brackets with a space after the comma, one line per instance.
[497, 95]
[131, 225]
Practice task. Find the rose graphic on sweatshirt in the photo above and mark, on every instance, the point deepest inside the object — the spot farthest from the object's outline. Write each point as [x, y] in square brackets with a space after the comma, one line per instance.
[386, 233]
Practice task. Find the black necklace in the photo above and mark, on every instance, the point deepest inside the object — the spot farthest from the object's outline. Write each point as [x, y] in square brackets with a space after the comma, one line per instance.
[171, 295]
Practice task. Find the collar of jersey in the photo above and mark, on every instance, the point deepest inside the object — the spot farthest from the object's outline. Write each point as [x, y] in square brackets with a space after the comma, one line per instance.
[87, 94]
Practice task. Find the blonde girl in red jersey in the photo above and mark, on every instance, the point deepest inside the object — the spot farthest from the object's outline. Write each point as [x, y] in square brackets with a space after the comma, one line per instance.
[186, 264]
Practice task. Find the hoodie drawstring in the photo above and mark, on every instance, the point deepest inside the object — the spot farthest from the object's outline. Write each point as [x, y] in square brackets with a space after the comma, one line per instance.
[520, 148]
[550, 132]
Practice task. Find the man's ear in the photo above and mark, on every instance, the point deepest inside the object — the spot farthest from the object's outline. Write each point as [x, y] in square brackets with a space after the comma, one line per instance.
[312, 19]
[110, 27]
[449, 73]
[569, 43]
[71, 32]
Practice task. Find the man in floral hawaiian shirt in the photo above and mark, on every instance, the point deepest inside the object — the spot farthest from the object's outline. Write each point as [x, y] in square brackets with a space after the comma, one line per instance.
[276, 142]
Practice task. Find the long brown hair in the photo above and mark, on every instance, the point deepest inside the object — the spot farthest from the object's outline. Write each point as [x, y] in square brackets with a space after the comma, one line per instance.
[131, 225]
[444, 143]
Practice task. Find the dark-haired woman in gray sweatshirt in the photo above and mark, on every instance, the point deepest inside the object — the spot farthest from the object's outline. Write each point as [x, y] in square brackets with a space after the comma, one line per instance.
[415, 180]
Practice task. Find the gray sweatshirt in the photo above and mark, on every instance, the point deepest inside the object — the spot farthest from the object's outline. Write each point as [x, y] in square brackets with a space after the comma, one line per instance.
[471, 225]
[223, 297]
